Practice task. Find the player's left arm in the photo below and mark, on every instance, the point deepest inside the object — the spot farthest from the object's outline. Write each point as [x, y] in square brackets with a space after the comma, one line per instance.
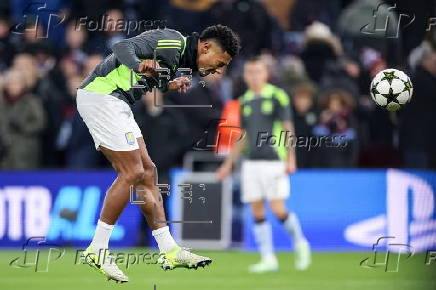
[141, 55]
[130, 51]
[285, 116]
[291, 160]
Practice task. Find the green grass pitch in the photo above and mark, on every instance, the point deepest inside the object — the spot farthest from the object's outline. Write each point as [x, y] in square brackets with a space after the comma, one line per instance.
[329, 271]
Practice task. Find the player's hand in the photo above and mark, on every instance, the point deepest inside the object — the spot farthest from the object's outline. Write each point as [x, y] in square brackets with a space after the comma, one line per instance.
[148, 67]
[290, 167]
[180, 84]
[223, 171]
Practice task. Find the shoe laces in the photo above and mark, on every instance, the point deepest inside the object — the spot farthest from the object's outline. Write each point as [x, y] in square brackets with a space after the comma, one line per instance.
[109, 264]
[185, 254]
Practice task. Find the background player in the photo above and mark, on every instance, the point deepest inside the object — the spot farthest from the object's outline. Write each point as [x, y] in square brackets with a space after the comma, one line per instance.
[265, 109]
[102, 101]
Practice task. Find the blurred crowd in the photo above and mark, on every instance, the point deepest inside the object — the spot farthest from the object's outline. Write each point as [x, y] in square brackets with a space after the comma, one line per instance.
[323, 53]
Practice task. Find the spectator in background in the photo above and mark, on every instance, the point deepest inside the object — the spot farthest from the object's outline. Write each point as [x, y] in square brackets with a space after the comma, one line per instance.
[36, 44]
[4, 140]
[293, 72]
[33, 33]
[24, 118]
[140, 10]
[344, 74]
[26, 64]
[188, 16]
[305, 12]
[358, 29]
[41, 84]
[93, 10]
[305, 118]
[70, 66]
[52, 98]
[91, 62]
[203, 121]
[75, 38]
[251, 21]
[417, 121]
[34, 41]
[74, 137]
[320, 47]
[336, 120]
[112, 33]
[4, 7]
[6, 48]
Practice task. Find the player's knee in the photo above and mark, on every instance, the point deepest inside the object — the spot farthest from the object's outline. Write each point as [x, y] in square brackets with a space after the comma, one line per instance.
[149, 171]
[259, 219]
[280, 213]
[135, 176]
[259, 216]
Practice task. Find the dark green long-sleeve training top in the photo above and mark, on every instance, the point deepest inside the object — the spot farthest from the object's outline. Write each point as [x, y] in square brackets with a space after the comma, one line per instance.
[114, 74]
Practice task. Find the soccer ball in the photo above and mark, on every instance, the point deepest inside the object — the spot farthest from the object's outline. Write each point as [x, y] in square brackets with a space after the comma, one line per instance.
[391, 89]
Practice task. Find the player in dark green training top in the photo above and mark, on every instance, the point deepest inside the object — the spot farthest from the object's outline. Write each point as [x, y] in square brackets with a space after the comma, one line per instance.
[149, 60]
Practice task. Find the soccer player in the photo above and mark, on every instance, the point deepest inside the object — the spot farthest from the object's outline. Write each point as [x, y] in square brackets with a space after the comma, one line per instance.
[103, 103]
[265, 112]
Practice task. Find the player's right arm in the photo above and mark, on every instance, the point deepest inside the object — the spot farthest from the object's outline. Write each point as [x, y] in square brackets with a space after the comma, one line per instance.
[226, 168]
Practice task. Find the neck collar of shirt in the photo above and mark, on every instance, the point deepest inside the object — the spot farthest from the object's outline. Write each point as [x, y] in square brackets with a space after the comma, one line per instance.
[189, 58]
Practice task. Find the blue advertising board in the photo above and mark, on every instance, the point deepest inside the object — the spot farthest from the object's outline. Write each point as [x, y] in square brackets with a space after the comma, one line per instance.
[340, 210]
[349, 210]
[61, 206]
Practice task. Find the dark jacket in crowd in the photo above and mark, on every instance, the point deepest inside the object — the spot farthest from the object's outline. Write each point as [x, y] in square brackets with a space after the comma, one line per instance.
[417, 122]
[250, 20]
[304, 123]
[24, 121]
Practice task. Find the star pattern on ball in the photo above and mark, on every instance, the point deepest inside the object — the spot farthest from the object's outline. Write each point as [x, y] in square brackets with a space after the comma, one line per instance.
[374, 90]
[391, 97]
[407, 86]
[389, 76]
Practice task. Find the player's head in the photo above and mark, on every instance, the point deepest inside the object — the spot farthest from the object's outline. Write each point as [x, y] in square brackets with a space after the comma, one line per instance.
[217, 45]
[255, 73]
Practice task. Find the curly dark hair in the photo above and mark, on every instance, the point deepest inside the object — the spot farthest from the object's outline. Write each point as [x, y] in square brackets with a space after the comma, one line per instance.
[226, 38]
